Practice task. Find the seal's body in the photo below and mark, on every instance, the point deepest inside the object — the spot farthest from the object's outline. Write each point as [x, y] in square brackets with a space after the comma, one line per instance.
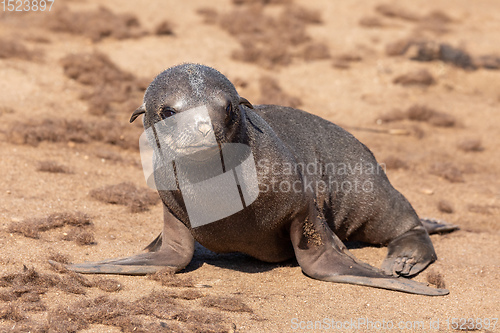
[350, 189]
[318, 185]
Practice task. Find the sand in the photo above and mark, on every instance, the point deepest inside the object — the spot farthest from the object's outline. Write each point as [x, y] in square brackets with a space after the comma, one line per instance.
[418, 83]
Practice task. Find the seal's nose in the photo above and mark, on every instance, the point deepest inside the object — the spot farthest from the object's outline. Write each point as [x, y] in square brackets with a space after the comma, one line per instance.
[204, 128]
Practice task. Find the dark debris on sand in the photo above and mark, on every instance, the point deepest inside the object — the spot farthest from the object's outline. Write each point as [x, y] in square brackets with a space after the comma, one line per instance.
[80, 237]
[160, 311]
[52, 167]
[24, 289]
[394, 11]
[129, 316]
[164, 28]
[11, 312]
[421, 113]
[109, 88]
[14, 49]
[32, 227]
[256, 30]
[470, 145]
[344, 61]
[424, 113]
[32, 132]
[435, 21]
[226, 303]
[108, 285]
[59, 257]
[167, 277]
[436, 279]
[445, 207]
[447, 171]
[393, 163]
[27, 285]
[96, 24]
[429, 50]
[481, 209]
[315, 51]
[420, 77]
[271, 93]
[424, 49]
[127, 194]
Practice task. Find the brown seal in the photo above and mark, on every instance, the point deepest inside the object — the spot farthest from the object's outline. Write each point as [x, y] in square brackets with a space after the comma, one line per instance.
[333, 190]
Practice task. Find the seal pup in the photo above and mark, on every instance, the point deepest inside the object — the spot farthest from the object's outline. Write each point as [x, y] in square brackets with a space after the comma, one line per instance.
[309, 223]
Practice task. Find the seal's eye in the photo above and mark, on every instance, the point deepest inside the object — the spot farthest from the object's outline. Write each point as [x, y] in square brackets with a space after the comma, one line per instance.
[166, 112]
[229, 111]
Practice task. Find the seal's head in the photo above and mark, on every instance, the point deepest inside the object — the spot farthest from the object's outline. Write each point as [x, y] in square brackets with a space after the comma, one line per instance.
[201, 106]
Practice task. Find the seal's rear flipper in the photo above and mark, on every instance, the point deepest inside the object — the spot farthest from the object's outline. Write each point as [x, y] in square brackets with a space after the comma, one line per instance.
[397, 284]
[323, 256]
[174, 248]
[434, 226]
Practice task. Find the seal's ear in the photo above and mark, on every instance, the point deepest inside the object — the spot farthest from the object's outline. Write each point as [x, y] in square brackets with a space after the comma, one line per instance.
[245, 102]
[138, 112]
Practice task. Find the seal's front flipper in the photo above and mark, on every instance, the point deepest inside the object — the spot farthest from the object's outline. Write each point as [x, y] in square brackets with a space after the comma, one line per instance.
[174, 248]
[322, 256]
[434, 226]
[140, 264]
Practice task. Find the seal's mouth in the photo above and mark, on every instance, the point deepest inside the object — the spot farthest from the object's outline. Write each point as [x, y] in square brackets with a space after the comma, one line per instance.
[200, 146]
[189, 149]
[199, 152]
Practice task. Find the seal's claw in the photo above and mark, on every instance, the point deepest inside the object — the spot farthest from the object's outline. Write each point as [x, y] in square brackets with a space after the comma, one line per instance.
[408, 266]
[399, 265]
[409, 254]
[404, 266]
